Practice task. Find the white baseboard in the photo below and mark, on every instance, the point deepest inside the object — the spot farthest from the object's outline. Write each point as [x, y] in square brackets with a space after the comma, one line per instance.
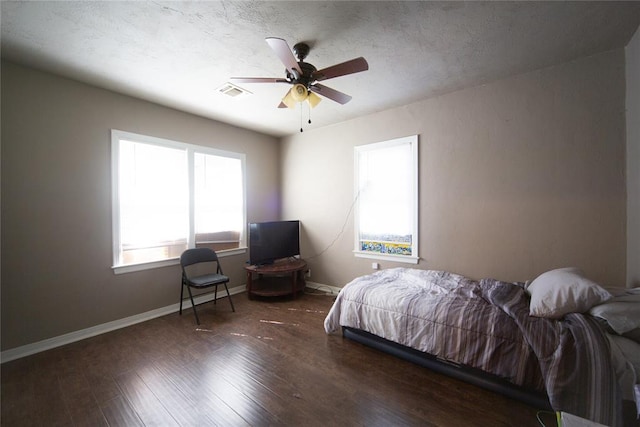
[37, 347]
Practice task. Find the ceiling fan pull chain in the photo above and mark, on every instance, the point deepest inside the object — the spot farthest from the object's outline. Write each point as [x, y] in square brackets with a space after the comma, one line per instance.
[301, 118]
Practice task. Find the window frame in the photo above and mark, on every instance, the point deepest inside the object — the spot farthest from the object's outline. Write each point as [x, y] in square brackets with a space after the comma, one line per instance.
[190, 149]
[414, 257]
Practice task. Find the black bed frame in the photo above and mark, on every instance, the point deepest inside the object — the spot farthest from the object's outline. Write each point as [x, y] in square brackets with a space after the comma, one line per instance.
[465, 373]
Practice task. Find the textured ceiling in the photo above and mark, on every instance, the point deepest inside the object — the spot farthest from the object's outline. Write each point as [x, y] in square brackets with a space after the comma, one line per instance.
[178, 53]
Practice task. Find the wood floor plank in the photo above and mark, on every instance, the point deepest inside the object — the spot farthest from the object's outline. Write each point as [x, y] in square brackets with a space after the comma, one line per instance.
[183, 406]
[77, 394]
[143, 400]
[118, 413]
[235, 385]
[16, 403]
[205, 388]
[45, 400]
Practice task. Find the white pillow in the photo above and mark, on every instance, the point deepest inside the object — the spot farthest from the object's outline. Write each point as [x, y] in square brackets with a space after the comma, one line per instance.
[562, 291]
[622, 312]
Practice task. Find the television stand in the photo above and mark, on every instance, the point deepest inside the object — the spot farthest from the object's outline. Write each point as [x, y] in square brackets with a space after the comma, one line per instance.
[283, 277]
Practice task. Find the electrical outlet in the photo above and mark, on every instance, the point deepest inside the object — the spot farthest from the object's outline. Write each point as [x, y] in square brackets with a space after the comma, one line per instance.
[375, 265]
[307, 274]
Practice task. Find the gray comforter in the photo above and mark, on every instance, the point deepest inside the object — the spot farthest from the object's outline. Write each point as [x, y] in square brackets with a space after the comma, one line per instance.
[486, 324]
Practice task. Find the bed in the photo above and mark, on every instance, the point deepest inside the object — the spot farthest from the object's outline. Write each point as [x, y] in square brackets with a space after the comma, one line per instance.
[536, 342]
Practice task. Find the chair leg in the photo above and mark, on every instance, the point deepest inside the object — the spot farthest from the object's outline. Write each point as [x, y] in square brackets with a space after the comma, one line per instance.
[181, 296]
[193, 305]
[229, 296]
[215, 295]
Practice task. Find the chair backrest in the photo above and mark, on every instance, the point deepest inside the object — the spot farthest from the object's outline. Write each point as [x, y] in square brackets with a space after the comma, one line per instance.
[197, 255]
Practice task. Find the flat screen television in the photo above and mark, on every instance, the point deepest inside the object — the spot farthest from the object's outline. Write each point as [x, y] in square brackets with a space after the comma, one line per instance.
[270, 241]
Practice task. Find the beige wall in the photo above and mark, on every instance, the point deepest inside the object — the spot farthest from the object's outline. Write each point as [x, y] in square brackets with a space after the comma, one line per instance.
[56, 203]
[517, 177]
[633, 160]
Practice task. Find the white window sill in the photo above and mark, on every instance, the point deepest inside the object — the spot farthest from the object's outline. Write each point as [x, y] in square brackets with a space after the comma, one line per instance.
[121, 269]
[386, 257]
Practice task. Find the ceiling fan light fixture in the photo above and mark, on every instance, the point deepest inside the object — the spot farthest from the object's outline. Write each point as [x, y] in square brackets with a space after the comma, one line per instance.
[288, 99]
[313, 99]
[299, 92]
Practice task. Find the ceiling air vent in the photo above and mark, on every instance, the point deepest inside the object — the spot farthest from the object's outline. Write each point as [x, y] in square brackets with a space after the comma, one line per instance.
[233, 91]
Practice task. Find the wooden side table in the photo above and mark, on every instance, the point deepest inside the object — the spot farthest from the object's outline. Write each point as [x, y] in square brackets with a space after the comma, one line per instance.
[283, 277]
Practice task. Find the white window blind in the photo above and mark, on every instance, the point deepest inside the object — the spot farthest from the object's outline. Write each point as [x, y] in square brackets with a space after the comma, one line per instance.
[387, 200]
[154, 202]
[218, 199]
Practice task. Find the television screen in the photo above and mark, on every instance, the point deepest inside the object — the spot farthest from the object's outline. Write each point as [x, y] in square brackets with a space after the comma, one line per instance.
[269, 241]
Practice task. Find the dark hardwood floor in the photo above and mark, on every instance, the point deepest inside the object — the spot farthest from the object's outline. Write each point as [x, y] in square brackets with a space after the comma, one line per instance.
[269, 363]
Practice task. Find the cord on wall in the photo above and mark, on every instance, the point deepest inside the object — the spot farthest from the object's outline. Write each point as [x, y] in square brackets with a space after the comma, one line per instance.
[344, 225]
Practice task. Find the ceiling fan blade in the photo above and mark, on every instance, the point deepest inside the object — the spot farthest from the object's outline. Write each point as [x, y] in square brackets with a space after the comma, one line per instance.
[282, 105]
[339, 97]
[282, 49]
[349, 67]
[257, 80]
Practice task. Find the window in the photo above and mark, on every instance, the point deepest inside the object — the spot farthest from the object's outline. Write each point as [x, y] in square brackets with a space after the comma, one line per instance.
[169, 196]
[386, 219]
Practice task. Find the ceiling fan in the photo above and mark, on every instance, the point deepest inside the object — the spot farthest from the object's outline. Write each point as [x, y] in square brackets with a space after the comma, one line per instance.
[305, 77]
